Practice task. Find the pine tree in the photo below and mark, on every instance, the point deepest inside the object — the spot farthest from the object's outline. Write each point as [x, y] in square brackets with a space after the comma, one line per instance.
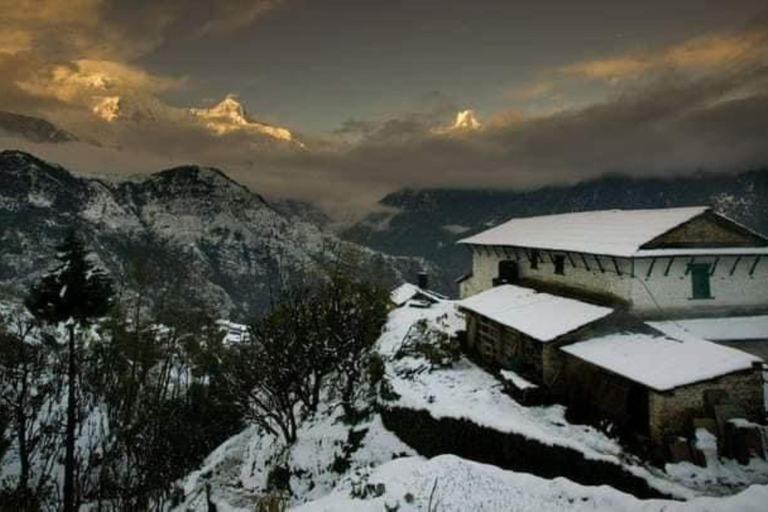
[75, 293]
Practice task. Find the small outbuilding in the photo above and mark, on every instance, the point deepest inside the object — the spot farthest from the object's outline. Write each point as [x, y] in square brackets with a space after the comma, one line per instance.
[518, 328]
[657, 384]
[415, 295]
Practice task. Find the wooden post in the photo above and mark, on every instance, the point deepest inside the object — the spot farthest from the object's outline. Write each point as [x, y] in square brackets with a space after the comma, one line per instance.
[584, 259]
[650, 269]
[669, 266]
[599, 264]
[735, 264]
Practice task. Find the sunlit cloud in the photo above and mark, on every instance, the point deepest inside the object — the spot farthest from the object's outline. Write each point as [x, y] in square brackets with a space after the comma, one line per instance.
[696, 104]
[705, 53]
[82, 80]
[607, 69]
[533, 91]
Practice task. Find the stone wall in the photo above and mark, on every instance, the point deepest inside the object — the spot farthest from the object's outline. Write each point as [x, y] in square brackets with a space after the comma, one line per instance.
[671, 412]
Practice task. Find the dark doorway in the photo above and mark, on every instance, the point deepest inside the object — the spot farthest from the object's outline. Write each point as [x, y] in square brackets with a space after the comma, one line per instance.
[560, 264]
[508, 272]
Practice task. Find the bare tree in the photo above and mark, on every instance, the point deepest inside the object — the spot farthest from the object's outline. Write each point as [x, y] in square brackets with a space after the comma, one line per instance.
[29, 392]
[317, 334]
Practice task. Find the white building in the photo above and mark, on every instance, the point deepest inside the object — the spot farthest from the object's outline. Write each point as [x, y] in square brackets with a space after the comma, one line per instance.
[658, 263]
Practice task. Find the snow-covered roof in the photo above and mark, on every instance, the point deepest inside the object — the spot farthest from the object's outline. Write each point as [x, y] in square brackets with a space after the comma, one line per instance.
[408, 291]
[726, 328]
[610, 232]
[660, 361]
[539, 315]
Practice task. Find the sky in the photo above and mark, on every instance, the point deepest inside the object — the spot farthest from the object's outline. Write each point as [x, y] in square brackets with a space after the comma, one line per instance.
[559, 91]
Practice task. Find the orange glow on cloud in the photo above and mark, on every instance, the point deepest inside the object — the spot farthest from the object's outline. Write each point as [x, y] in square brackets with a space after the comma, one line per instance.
[706, 53]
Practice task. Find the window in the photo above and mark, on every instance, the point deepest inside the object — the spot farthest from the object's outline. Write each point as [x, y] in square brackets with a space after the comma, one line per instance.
[560, 264]
[534, 259]
[700, 280]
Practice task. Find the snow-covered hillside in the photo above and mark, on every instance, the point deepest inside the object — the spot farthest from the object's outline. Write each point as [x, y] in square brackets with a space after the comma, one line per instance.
[234, 244]
[340, 466]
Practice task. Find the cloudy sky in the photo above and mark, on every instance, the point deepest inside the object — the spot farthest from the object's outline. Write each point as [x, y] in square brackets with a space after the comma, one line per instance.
[369, 91]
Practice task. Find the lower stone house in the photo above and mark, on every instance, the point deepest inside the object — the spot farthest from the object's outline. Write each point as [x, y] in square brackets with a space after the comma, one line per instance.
[657, 385]
[516, 328]
[646, 382]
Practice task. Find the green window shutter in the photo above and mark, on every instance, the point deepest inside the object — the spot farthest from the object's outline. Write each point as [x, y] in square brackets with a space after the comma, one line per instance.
[700, 280]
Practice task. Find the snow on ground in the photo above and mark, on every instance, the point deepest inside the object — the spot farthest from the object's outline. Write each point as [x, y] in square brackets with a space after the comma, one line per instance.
[239, 469]
[330, 473]
[454, 484]
[466, 391]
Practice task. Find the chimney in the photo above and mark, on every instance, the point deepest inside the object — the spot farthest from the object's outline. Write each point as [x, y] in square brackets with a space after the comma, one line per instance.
[423, 281]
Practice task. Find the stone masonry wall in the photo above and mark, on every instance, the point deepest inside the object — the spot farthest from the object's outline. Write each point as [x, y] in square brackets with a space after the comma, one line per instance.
[671, 411]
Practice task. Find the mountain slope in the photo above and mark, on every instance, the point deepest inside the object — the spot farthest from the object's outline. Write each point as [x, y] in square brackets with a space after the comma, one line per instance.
[34, 129]
[229, 243]
[427, 223]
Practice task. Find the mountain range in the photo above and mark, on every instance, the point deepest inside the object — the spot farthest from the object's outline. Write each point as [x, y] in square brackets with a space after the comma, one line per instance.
[136, 110]
[231, 246]
[427, 223]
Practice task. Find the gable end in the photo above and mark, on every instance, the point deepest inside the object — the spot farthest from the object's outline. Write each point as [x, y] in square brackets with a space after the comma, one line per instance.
[708, 230]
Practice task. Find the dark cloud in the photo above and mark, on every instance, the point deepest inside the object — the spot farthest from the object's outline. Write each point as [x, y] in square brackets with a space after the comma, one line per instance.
[697, 104]
[675, 125]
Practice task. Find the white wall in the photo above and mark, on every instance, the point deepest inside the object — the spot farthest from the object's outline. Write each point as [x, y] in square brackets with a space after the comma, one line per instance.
[656, 296]
[485, 268]
[660, 295]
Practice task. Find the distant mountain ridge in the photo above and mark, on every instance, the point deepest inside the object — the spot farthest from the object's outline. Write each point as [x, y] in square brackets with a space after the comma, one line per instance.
[427, 223]
[232, 243]
[32, 128]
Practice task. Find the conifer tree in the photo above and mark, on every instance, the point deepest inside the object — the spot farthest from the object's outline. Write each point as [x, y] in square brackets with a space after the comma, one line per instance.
[75, 294]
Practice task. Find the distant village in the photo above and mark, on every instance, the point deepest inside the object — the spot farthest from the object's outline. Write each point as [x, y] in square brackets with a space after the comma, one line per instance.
[654, 322]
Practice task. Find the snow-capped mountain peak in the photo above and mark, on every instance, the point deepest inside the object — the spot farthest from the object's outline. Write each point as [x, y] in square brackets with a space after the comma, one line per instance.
[230, 115]
[466, 120]
[107, 108]
[227, 116]
[230, 108]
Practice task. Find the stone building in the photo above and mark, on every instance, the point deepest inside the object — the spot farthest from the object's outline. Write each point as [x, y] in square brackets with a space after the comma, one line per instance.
[610, 363]
[658, 263]
[656, 384]
[505, 327]
[563, 301]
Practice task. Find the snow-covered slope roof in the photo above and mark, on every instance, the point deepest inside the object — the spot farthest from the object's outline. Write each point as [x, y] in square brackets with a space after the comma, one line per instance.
[723, 328]
[610, 232]
[408, 291]
[539, 315]
[659, 361]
